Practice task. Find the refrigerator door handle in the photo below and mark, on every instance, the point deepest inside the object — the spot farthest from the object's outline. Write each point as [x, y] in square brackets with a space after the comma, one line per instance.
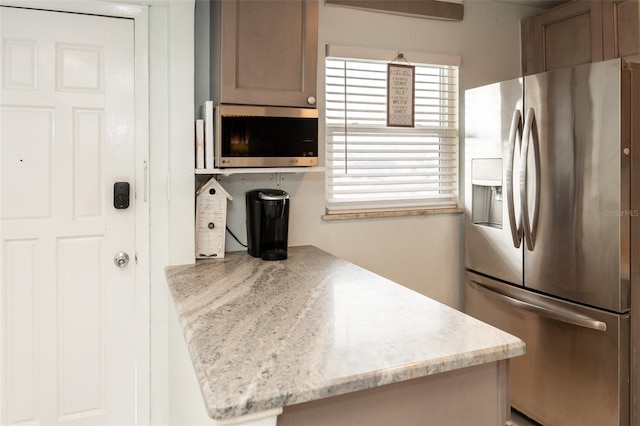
[559, 314]
[514, 223]
[529, 137]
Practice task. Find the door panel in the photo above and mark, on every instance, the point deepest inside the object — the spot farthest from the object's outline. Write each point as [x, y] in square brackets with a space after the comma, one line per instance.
[489, 238]
[29, 164]
[582, 239]
[19, 286]
[80, 325]
[67, 343]
[570, 374]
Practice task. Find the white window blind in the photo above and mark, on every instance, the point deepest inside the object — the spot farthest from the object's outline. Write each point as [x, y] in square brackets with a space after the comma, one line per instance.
[372, 167]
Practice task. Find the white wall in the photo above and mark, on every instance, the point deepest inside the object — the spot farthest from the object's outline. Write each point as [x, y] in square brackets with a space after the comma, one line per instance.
[174, 391]
[422, 253]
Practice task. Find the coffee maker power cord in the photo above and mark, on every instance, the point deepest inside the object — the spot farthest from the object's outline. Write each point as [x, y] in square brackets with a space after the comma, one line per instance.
[235, 238]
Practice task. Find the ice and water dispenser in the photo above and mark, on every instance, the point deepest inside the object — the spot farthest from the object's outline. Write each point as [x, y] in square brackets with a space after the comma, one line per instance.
[267, 223]
[486, 187]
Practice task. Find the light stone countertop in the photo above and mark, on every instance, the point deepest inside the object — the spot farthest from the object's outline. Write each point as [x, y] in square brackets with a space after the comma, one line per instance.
[264, 335]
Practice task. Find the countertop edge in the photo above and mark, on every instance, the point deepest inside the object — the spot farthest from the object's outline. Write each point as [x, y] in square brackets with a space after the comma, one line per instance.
[371, 380]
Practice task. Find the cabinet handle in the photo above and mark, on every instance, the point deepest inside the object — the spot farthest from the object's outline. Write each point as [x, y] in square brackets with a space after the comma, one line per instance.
[311, 100]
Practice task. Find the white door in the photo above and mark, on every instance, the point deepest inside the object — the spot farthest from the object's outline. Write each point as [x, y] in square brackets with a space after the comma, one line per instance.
[67, 312]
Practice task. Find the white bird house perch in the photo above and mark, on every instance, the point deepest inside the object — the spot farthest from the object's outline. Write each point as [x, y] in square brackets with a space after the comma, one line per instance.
[211, 219]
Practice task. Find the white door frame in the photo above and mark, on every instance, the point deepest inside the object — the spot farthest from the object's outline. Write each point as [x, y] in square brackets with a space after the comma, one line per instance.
[140, 16]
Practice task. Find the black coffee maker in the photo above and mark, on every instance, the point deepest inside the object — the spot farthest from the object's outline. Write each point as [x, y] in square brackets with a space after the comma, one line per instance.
[267, 223]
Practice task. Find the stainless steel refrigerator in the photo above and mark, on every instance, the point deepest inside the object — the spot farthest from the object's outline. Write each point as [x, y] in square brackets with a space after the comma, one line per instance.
[552, 235]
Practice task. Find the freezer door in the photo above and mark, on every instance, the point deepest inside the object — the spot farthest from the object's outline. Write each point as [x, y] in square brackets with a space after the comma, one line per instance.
[576, 368]
[493, 126]
[577, 183]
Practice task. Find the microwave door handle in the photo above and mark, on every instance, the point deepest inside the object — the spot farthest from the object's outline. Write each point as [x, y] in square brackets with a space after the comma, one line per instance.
[515, 135]
[562, 315]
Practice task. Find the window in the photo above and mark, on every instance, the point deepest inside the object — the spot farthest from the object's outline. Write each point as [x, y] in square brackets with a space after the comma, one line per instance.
[372, 167]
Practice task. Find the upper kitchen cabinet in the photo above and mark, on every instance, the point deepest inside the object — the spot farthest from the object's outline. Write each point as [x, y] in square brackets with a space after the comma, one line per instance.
[621, 29]
[579, 32]
[264, 52]
[564, 36]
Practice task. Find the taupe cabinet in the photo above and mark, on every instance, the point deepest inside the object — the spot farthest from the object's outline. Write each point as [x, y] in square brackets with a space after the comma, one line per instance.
[580, 32]
[264, 52]
[621, 29]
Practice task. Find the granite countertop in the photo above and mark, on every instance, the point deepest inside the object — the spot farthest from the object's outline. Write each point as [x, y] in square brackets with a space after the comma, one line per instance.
[264, 335]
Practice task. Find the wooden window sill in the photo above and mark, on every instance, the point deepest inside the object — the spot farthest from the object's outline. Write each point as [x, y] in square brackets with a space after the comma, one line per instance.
[392, 213]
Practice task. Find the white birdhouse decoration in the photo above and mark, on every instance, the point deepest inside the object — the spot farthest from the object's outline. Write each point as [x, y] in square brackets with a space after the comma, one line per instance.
[211, 219]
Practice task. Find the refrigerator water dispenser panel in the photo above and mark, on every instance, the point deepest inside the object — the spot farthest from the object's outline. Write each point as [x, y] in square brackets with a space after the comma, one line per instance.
[486, 184]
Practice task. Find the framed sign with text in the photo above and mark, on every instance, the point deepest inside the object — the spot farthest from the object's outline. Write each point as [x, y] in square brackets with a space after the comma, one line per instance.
[400, 95]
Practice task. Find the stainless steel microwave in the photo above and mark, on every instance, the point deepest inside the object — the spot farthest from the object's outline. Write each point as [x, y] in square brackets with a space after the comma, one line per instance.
[256, 136]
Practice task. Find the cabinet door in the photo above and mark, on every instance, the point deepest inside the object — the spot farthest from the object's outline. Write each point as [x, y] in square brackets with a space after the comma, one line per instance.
[269, 52]
[568, 35]
[621, 29]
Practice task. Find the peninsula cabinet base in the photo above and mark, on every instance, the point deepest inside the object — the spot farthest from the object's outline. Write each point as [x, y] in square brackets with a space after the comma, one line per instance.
[475, 396]
[263, 418]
